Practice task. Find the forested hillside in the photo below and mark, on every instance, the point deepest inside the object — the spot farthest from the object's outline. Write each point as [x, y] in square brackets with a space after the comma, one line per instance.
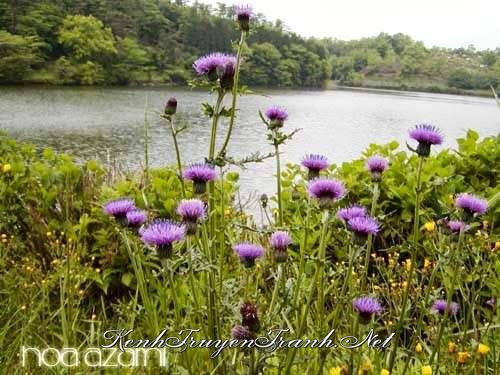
[141, 41]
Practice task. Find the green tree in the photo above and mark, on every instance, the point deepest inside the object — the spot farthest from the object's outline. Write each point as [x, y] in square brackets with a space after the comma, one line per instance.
[18, 55]
[86, 37]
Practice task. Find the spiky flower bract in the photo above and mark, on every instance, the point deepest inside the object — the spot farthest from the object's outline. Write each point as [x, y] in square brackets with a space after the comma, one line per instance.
[326, 191]
[249, 317]
[347, 213]
[315, 163]
[200, 174]
[248, 253]
[136, 218]
[471, 204]
[162, 234]
[377, 165]
[279, 241]
[118, 208]
[243, 14]
[426, 135]
[276, 116]
[440, 306]
[366, 307]
[171, 107]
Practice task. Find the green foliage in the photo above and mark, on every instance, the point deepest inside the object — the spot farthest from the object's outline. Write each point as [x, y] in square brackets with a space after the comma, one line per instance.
[85, 37]
[18, 55]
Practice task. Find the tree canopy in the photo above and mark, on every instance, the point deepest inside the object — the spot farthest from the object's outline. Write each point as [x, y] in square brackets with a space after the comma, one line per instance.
[136, 41]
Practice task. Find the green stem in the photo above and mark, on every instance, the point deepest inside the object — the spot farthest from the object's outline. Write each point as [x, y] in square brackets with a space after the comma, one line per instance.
[235, 95]
[146, 141]
[376, 194]
[416, 231]
[449, 296]
[278, 186]
[177, 155]
[301, 323]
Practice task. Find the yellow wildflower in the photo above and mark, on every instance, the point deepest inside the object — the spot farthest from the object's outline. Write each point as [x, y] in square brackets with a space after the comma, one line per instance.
[335, 371]
[366, 367]
[408, 264]
[384, 372]
[483, 349]
[452, 347]
[426, 370]
[6, 168]
[418, 348]
[430, 226]
[427, 263]
[463, 357]
[497, 245]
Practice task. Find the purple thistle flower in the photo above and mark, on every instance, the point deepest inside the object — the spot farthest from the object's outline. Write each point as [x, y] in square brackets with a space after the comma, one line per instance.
[171, 107]
[315, 163]
[426, 135]
[191, 211]
[471, 204]
[249, 317]
[136, 218]
[440, 306]
[361, 227]
[243, 14]
[350, 212]
[162, 234]
[454, 226]
[240, 332]
[209, 65]
[377, 165]
[277, 116]
[491, 302]
[200, 174]
[118, 208]
[279, 241]
[367, 307]
[326, 190]
[248, 253]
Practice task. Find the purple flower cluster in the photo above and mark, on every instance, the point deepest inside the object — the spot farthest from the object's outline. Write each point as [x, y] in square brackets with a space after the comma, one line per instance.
[248, 253]
[215, 65]
[162, 234]
[200, 174]
[454, 226]
[426, 135]
[350, 212]
[377, 165]
[326, 191]
[276, 116]
[279, 241]
[367, 307]
[136, 218]
[119, 208]
[191, 211]
[440, 306]
[362, 226]
[315, 163]
[471, 204]
[240, 332]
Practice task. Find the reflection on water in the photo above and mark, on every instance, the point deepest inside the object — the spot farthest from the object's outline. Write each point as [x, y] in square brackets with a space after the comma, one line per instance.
[97, 122]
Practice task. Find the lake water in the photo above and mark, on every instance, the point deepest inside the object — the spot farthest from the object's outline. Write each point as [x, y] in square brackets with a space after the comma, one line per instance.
[99, 122]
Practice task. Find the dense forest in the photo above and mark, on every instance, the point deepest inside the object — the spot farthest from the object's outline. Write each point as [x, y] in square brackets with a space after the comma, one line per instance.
[156, 41]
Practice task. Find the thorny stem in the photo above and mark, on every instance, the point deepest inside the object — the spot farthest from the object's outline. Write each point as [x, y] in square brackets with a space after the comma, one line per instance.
[278, 187]
[235, 95]
[177, 155]
[369, 241]
[416, 226]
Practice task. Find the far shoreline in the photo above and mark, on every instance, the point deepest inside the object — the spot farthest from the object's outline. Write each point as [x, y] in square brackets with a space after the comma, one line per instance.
[329, 86]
